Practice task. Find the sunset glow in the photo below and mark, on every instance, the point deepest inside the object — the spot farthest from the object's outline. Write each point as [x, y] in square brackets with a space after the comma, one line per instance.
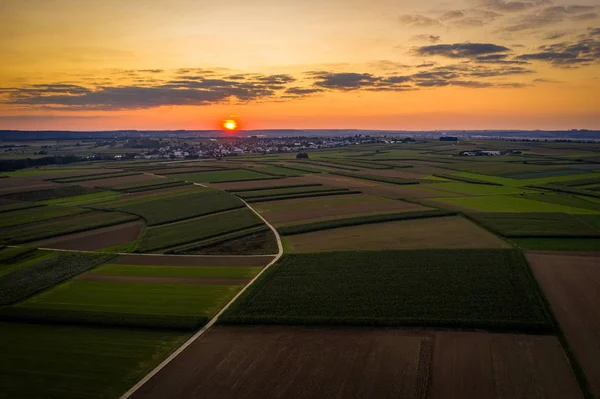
[373, 64]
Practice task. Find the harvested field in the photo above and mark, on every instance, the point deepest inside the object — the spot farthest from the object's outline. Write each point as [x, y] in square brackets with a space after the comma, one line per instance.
[275, 362]
[501, 366]
[242, 185]
[572, 286]
[442, 232]
[297, 211]
[183, 260]
[49, 361]
[96, 239]
[251, 362]
[16, 185]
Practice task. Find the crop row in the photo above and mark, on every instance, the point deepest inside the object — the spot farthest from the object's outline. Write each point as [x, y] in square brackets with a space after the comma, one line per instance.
[53, 228]
[518, 225]
[22, 217]
[286, 191]
[466, 179]
[18, 207]
[357, 163]
[491, 289]
[189, 231]
[217, 240]
[342, 191]
[134, 188]
[360, 220]
[384, 179]
[27, 281]
[161, 211]
[51, 193]
[242, 190]
[94, 177]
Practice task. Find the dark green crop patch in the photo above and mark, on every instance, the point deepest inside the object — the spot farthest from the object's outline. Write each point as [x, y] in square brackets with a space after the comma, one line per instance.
[481, 289]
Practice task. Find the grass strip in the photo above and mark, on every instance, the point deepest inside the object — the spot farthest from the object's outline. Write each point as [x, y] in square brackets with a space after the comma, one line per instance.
[18, 207]
[150, 187]
[360, 220]
[242, 190]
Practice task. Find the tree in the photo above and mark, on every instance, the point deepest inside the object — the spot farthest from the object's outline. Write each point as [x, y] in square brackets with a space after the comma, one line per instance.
[302, 155]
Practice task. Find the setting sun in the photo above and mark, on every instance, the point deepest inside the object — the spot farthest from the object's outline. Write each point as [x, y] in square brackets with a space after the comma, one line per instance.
[230, 124]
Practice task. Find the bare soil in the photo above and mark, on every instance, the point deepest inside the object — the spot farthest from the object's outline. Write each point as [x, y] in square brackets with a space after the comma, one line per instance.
[572, 286]
[17, 184]
[96, 239]
[184, 260]
[301, 362]
[276, 362]
[502, 366]
[305, 210]
[440, 232]
[164, 280]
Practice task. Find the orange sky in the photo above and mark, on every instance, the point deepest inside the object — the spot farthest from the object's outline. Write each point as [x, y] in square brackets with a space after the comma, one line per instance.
[369, 64]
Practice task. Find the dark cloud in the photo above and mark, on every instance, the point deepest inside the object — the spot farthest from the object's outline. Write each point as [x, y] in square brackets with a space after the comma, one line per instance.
[567, 54]
[461, 50]
[388, 65]
[543, 80]
[554, 35]
[419, 21]
[500, 59]
[548, 16]
[302, 91]
[427, 38]
[185, 90]
[151, 70]
[594, 31]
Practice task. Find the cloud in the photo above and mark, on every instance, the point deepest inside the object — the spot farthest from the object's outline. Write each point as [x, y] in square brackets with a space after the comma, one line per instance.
[461, 50]
[388, 65]
[554, 35]
[500, 59]
[567, 54]
[419, 21]
[453, 14]
[427, 38]
[585, 17]
[302, 91]
[548, 16]
[513, 6]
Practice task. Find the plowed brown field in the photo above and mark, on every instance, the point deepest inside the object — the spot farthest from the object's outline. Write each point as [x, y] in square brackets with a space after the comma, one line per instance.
[572, 285]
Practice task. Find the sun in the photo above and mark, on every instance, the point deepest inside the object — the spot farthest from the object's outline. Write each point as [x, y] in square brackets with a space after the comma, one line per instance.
[230, 124]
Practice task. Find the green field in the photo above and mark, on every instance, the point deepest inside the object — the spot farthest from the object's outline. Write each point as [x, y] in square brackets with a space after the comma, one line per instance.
[43, 273]
[51, 193]
[181, 207]
[186, 232]
[536, 225]
[286, 191]
[85, 199]
[94, 177]
[12, 259]
[383, 179]
[508, 203]
[37, 214]
[177, 271]
[53, 228]
[63, 362]
[18, 206]
[145, 186]
[473, 189]
[223, 176]
[134, 298]
[280, 171]
[491, 289]
[558, 244]
[360, 220]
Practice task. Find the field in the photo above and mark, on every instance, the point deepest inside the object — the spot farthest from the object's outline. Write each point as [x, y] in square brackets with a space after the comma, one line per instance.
[192, 230]
[508, 203]
[234, 362]
[407, 288]
[296, 211]
[74, 362]
[441, 232]
[571, 284]
[223, 176]
[403, 273]
[185, 206]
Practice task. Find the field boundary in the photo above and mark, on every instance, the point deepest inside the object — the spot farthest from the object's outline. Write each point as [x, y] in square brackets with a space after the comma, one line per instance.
[212, 321]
